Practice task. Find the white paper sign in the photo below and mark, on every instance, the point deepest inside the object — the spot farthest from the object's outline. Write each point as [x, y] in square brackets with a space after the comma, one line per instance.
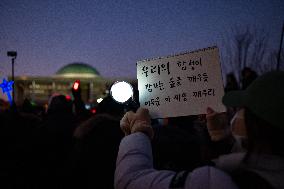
[181, 85]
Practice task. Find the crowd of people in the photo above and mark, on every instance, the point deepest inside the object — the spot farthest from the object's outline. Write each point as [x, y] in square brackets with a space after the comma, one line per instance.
[67, 146]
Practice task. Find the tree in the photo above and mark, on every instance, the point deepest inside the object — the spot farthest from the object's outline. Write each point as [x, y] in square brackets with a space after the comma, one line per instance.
[245, 47]
[273, 59]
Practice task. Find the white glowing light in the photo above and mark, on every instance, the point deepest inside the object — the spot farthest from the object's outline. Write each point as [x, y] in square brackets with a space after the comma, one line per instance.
[99, 100]
[76, 86]
[87, 106]
[121, 91]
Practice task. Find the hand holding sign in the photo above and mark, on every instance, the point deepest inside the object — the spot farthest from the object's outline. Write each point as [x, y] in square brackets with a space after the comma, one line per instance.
[217, 125]
[181, 85]
[137, 122]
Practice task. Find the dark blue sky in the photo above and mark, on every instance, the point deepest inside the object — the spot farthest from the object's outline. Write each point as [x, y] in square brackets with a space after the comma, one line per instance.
[113, 35]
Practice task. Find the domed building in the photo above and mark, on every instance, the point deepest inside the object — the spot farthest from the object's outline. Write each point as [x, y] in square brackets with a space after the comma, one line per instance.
[39, 89]
[77, 70]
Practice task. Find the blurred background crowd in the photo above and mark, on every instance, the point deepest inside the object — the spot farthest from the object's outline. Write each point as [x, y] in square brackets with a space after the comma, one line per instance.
[66, 145]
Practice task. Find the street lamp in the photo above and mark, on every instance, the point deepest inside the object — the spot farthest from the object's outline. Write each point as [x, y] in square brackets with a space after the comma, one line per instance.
[13, 54]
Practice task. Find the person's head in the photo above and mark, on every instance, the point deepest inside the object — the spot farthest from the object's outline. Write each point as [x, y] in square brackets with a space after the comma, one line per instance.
[246, 71]
[111, 107]
[59, 104]
[96, 149]
[231, 78]
[248, 76]
[27, 106]
[4, 105]
[262, 109]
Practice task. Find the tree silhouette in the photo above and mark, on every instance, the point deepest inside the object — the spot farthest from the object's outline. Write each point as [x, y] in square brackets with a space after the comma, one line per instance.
[273, 59]
[245, 47]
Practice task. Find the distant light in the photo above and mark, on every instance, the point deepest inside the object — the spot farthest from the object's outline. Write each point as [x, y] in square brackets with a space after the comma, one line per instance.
[94, 111]
[68, 97]
[76, 86]
[33, 103]
[87, 106]
[121, 91]
[99, 100]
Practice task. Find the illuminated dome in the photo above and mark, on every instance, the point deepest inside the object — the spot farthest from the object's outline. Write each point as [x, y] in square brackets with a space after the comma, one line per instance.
[77, 69]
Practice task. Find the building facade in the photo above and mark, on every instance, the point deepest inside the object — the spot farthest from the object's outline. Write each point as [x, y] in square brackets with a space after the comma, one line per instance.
[40, 89]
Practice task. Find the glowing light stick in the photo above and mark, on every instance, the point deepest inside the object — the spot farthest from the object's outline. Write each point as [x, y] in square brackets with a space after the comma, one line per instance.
[122, 92]
[6, 88]
[76, 85]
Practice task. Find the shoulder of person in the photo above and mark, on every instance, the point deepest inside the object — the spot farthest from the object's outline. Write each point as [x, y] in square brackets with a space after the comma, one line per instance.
[203, 178]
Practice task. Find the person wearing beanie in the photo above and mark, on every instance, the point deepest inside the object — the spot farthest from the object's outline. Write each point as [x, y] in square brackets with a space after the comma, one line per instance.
[259, 165]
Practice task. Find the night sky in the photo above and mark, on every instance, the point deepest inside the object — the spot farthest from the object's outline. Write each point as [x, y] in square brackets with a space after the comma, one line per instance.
[113, 35]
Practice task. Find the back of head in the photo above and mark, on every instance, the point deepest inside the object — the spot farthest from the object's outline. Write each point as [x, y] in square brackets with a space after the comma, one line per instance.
[248, 76]
[109, 106]
[96, 149]
[3, 105]
[59, 104]
[231, 82]
[27, 106]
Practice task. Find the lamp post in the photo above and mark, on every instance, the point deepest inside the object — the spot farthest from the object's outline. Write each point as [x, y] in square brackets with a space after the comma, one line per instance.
[13, 54]
[280, 49]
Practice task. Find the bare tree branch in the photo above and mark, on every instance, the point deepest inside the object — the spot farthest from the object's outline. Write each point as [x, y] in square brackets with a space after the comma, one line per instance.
[245, 47]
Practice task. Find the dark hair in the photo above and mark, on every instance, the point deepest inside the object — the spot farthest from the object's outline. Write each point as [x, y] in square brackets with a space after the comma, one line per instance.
[109, 106]
[248, 76]
[231, 83]
[95, 151]
[59, 104]
[263, 138]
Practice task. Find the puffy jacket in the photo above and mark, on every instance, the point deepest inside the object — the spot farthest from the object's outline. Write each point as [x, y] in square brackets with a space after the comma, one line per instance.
[134, 169]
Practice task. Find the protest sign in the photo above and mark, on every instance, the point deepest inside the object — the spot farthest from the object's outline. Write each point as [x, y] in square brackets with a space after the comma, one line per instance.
[181, 85]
